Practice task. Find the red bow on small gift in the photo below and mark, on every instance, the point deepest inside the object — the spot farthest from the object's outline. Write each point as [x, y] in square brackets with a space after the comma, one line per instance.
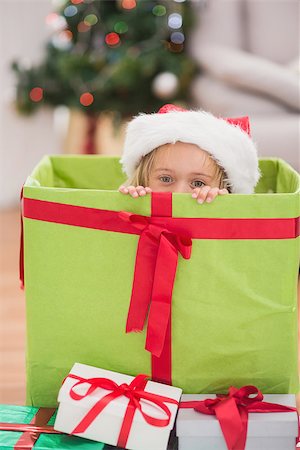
[232, 412]
[134, 391]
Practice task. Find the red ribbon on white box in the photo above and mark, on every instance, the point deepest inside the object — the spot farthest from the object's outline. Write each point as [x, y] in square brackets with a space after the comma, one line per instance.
[232, 412]
[134, 392]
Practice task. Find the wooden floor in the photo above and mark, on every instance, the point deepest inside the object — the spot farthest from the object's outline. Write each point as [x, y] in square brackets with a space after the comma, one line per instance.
[12, 313]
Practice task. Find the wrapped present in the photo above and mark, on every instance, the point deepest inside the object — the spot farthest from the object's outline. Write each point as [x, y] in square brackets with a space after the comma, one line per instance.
[130, 412]
[241, 420]
[218, 280]
[26, 427]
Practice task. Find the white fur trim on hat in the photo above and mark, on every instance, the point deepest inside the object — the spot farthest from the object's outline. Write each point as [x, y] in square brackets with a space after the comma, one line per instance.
[229, 145]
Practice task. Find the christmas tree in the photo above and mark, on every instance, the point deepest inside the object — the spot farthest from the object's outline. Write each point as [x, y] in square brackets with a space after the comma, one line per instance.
[118, 55]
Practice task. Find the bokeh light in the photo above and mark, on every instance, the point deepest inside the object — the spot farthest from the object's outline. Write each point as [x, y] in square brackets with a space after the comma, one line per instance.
[129, 4]
[66, 35]
[112, 39]
[159, 10]
[82, 27]
[177, 37]
[121, 27]
[63, 40]
[90, 19]
[175, 21]
[36, 94]
[70, 11]
[50, 18]
[76, 2]
[55, 21]
[86, 99]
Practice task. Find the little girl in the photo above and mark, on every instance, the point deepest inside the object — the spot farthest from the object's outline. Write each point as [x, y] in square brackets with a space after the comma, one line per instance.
[194, 152]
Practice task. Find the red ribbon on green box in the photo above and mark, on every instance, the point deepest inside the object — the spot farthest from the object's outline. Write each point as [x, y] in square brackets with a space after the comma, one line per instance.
[32, 430]
[162, 237]
[232, 411]
[157, 246]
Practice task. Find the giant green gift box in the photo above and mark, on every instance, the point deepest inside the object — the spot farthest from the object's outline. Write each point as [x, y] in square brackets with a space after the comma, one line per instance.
[234, 310]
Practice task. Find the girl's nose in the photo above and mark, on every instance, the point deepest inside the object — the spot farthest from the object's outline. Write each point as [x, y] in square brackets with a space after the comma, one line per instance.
[181, 187]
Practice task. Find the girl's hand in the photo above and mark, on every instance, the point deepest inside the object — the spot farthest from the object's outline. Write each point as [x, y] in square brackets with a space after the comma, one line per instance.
[207, 193]
[135, 192]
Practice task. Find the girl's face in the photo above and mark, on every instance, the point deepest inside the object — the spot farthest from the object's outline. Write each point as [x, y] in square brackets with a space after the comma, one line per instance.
[182, 167]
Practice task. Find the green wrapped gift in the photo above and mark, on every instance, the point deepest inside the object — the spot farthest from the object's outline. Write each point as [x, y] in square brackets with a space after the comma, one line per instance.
[92, 257]
[33, 429]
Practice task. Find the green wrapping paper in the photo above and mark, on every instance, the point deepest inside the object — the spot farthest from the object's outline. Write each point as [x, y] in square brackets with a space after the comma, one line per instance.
[234, 315]
[25, 414]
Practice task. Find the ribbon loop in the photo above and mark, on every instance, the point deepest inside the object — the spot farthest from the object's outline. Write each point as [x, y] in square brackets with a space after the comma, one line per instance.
[136, 220]
[154, 276]
[243, 394]
[102, 383]
[125, 390]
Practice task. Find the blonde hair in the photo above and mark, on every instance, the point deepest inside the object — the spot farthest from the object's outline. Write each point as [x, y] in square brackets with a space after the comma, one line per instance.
[142, 172]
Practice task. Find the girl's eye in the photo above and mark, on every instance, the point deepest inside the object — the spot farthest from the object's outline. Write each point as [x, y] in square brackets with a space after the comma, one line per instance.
[165, 179]
[197, 183]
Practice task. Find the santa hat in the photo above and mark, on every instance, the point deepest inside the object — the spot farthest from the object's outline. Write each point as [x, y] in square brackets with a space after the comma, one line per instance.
[226, 140]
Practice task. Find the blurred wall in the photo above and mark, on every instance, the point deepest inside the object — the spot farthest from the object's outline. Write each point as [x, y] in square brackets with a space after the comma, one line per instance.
[249, 53]
[23, 140]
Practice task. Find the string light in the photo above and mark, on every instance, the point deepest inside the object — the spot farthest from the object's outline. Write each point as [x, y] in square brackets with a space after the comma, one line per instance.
[66, 35]
[70, 11]
[86, 99]
[63, 40]
[50, 18]
[175, 21]
[129, 4]
[112, 39]
[90, 19]
[56, 22]
[121, 27]
[36, 94]
[159, 10]
[82, 27]
[177, 37]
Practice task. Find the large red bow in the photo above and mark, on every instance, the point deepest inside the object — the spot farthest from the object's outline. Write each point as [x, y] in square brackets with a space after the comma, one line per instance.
[232, 412]
[154, 275]
[134, 391]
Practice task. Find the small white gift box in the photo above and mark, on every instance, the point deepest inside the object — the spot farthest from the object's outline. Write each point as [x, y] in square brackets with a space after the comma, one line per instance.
[101, 410]
[266, 431]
